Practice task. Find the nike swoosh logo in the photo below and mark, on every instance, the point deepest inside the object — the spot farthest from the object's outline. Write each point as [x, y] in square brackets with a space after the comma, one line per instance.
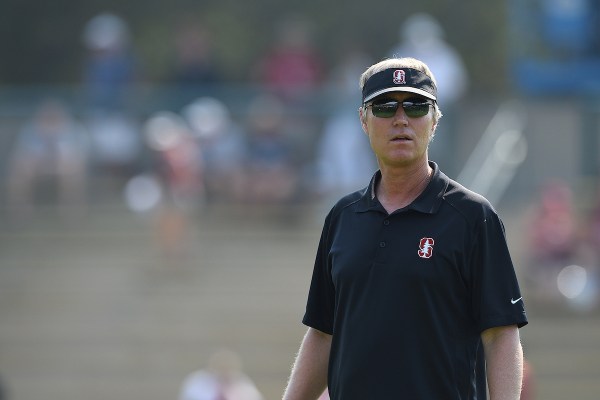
[515, 301]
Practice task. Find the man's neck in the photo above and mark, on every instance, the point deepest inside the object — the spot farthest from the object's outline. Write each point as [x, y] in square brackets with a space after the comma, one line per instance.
[399, 187]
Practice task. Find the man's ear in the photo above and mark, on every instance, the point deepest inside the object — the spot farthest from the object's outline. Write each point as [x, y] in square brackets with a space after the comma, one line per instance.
[363, 119]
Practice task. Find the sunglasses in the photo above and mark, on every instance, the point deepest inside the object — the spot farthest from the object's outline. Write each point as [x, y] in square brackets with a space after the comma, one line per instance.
[387, 108]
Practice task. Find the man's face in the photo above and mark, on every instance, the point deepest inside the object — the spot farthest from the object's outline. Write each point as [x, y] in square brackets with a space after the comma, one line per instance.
[399, 140]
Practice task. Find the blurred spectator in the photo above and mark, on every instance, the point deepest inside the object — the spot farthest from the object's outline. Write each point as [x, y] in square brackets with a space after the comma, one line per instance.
[344, 159]
[109, 75]
[221, 142]
[179, 168]
[178, 157]
[422, 37]
[552, 238]
[269, 175]
[569, 26]
[194, 56]
[292, 67]
[52, 148]
[223, 379]
[116, 145]
[110, 66]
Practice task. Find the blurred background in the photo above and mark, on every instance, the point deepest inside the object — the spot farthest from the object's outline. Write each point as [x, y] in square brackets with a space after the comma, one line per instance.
[166, 166]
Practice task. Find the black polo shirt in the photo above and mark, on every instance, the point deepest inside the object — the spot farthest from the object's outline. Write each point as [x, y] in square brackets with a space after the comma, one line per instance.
[406, 295]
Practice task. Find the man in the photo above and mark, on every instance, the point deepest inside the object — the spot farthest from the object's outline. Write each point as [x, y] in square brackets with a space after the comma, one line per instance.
[413, 282]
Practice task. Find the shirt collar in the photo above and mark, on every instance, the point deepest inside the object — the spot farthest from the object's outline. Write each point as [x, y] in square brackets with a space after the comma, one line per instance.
[428, 202]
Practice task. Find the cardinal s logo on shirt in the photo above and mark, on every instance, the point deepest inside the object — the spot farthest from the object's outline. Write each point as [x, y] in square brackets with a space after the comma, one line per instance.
[426, 248]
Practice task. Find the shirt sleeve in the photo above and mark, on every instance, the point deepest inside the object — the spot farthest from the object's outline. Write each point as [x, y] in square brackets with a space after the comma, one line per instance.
[321, 297]
[497, 299]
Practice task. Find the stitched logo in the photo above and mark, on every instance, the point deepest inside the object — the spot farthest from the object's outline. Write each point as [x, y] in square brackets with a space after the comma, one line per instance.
[399, 77]
[426, 248]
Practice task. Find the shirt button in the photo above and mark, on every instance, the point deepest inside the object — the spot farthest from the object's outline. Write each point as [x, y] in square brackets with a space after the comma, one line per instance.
[381, 244]
[386, 222]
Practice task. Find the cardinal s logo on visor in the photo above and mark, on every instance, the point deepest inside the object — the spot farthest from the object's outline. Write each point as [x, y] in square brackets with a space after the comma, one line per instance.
[399, 77]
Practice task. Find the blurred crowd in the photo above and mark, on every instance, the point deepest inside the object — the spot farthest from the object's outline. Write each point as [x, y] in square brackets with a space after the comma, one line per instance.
[274, 149]
[197, 152]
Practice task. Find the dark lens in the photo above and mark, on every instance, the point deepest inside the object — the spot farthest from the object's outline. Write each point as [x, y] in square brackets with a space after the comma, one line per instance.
[385, 110]
[415, 110]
